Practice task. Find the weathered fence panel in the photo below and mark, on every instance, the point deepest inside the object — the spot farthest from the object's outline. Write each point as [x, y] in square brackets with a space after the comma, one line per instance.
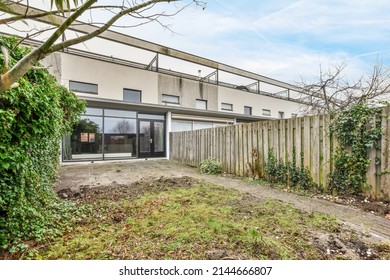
[310, 136]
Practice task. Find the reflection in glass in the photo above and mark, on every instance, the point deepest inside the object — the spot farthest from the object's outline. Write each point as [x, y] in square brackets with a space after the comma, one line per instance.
[94, 111]
[144, 137]
[120, 113]
[119, 137]
[151, 117]
[85, 143]
[158, 137]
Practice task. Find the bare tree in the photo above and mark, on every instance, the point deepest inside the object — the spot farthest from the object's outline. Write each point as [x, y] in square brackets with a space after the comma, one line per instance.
[123, 127]
[143, 10]
[334, 92]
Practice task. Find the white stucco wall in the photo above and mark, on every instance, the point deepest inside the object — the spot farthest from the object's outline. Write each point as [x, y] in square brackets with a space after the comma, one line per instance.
[111, 78]
[240, 98]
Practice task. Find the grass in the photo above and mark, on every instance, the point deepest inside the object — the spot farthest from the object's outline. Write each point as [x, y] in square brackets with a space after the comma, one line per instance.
[201, 222]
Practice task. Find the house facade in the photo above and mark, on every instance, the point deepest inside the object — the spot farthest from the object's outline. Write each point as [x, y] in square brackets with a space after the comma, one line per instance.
[132, 107]
[133, 104]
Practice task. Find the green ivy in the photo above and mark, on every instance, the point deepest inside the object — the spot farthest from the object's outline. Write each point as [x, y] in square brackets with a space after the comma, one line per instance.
[357, 130]
[288, 173]
[33, 118]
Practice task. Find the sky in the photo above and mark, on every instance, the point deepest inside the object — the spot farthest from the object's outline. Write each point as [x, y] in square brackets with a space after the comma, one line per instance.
[283, 39]
[286, 40]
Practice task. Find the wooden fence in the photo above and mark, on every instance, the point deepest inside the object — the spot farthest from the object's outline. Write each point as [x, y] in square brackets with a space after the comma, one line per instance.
[233, 146]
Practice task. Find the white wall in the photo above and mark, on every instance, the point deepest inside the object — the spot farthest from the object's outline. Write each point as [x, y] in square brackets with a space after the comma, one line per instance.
[240, 98]
[111, 78]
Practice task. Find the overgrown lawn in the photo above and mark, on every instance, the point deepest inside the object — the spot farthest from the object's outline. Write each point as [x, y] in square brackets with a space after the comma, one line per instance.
[198, 222]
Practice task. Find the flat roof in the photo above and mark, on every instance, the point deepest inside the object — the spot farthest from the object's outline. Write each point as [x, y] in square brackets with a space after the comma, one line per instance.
[158, 108]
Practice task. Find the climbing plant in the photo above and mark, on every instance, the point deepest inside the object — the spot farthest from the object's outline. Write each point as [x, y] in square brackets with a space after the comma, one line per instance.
[288, 173]
[33, 117]
[357, 131]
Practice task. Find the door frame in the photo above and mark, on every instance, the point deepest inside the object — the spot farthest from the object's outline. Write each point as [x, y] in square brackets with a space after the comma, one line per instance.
[152, 153]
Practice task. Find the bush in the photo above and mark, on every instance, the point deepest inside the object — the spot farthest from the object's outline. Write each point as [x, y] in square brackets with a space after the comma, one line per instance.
[33, 118]
[210, 166]
[288, 173]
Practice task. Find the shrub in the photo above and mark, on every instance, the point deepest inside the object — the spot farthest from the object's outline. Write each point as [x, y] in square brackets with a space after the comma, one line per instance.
[288, 173]
[210, 166]
[33, 118]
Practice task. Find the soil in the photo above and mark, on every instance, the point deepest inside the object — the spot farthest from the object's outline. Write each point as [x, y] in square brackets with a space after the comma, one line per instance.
[133, 178]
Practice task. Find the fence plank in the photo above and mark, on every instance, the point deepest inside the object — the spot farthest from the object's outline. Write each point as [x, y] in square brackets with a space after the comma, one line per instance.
[315, 150]
[241, 150]
[298, 140]
[233, 146]
[260, 144]
[245, 141]
[282, 140]
[371, 173]
[266, 146]
[326, 162]
[385, 154]
[306, 143]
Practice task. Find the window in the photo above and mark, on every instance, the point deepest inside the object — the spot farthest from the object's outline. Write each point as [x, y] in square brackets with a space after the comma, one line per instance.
[247, 110]
[132, 95]
[201, 104]
[281, 115]
[294, 115]
[94, 111]
[181, 125]
[227, 106]
[120, 113]
[171, 99]
[151, 116]
[266, 112]
[83, 87]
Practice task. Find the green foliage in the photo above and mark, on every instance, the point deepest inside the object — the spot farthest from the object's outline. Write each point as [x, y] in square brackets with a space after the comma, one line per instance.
[33, 118]
[192, 223]
[210, 166]
[357, 131]
[276, 170]
[288, 173]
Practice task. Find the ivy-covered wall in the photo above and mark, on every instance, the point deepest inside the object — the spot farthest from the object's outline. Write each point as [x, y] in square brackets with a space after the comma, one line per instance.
[33, 118]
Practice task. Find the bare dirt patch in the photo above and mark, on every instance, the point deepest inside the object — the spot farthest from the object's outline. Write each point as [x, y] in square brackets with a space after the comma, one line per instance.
[133, 178]
[87, 194]
[320, 238]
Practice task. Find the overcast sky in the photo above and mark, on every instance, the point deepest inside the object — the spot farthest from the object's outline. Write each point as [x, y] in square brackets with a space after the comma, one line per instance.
[283, 39]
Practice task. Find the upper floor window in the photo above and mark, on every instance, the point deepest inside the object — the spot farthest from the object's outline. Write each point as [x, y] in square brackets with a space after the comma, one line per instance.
[83, 87]
[132, 95]
[201, 104]
[266, 112]
[171, 99]
[227, 106]
[247, 110]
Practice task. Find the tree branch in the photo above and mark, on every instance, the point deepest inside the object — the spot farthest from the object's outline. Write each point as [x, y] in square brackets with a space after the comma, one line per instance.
[49, 46]
[6, 59]
[107, 25]
[48, 13]
[23, 65]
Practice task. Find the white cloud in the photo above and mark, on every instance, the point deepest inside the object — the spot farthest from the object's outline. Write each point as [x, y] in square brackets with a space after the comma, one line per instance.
[283, 39]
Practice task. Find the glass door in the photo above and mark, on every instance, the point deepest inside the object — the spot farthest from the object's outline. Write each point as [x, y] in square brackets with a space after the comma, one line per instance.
[151, 138]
